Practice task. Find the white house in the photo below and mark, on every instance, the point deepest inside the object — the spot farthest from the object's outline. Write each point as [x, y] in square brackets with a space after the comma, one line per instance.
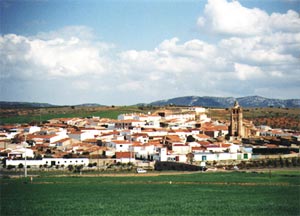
[50, 162]
[143, 150]
[32, 129]
[207, 156]
[180, 148]
[125, 157]
[21, 153]
[187, 116]
[80, 135]
[120, 145]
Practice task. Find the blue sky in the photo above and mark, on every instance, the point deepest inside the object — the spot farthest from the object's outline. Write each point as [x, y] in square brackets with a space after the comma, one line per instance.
[126, 52]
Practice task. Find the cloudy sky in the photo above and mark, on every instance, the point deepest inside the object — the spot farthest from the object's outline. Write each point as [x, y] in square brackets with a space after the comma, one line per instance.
[127, 52]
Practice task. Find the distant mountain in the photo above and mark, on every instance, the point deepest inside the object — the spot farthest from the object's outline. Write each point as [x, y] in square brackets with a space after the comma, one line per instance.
[89, 105]
[16, 105]
[223, 102]
[6, 104]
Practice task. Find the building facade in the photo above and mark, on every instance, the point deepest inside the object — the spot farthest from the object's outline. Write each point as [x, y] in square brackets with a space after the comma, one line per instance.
[236, 121]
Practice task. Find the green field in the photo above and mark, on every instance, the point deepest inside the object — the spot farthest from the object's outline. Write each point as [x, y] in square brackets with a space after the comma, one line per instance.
[44, 114]
[232, 193]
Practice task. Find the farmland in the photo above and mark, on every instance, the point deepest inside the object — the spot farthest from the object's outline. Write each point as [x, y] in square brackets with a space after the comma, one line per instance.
[27, 115]
[221, 193]
[272, 116]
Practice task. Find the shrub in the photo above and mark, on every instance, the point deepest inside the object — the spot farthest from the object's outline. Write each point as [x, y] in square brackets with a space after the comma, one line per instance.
[159, 166]
[9, 167]
[287, 162]
[70, 167]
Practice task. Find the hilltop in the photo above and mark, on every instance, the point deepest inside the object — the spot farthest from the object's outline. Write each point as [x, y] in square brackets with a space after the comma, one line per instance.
[225, 102]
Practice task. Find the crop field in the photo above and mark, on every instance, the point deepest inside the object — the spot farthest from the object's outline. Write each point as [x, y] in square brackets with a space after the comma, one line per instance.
[224, 193]
[43, 114]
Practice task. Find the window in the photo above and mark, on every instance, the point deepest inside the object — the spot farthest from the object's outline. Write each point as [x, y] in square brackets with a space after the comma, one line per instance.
[204, 158]
[245, 156]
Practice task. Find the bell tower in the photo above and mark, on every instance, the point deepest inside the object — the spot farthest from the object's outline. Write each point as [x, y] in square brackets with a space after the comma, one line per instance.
[236, 121]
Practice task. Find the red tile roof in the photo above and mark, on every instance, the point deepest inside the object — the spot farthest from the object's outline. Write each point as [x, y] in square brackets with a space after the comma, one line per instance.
[124, 155]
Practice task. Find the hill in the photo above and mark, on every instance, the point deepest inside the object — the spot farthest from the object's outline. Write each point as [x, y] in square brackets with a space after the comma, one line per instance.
[18, 105]
[223, 102]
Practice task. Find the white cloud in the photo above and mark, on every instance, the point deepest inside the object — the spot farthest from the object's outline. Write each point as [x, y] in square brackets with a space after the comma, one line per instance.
[231, 18]
[170, 57]
[25, 57]
[74, 63]
[81, 84]
[285, 22]
[263, 50]
[82, 32]
[247, 72]
[276, 74]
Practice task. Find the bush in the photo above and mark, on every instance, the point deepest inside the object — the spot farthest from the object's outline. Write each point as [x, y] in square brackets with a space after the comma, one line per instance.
[287, 162]
[160, 166]
[9, 167]
[70, 167]
[78, 168]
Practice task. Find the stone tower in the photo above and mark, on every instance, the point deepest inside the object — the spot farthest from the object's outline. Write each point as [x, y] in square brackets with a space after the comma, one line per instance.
[236, 121]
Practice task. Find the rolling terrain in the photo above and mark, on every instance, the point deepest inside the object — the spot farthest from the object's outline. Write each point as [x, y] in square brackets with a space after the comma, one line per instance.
[225, 102]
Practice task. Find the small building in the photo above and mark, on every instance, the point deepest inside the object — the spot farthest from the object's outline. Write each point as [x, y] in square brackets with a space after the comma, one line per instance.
[125, 157]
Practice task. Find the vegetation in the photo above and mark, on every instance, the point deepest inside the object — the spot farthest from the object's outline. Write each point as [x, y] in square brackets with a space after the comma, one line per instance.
[272, 116]
[235, 193]
[43, 114]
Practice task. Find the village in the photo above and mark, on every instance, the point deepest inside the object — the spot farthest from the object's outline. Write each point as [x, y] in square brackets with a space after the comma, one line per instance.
[187, 136]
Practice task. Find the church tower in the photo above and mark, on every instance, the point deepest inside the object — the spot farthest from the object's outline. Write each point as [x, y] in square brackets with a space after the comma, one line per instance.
[236, 121]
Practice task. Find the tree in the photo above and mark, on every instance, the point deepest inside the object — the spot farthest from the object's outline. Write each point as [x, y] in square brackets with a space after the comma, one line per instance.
[281, 162]
[20, 166]
[287, 162]
[70, 167]
[190, 138]
[294, 161]
[48, 151]
[9, 167]
[190, 158]
[78, 168]
[18, 138]
[275, 163]
[99, 143]
[38, 157]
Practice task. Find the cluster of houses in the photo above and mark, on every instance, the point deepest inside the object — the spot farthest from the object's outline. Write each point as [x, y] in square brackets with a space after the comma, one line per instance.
[186, 136]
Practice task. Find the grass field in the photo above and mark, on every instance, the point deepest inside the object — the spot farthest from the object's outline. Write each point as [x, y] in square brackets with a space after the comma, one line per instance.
[234, 193]
[44, 114]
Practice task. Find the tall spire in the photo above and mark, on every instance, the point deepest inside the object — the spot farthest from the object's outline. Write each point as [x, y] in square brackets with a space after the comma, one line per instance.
[236, 104]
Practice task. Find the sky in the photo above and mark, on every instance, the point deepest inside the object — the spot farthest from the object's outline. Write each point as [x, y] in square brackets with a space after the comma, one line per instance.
[124, 52]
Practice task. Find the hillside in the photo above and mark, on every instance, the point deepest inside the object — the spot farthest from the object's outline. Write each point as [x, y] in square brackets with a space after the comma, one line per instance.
[17, 105]
[224, 102]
